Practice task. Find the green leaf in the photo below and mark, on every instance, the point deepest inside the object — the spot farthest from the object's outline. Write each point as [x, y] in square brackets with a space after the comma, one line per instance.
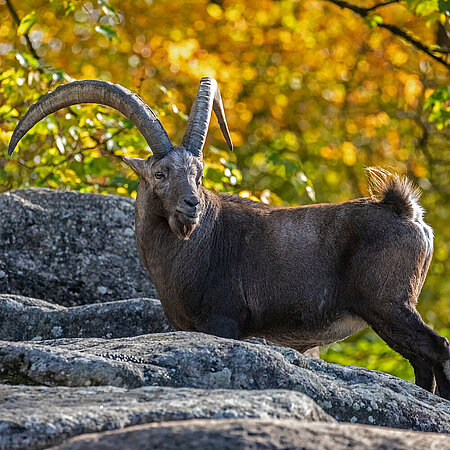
[27, 60]
[107, 30]
[31, 60]
[128, 124]
[183, 115]
[26, 23]
[109, 10]
[374, 21]
[438, 102]
[439, 96]
[426, 7]
[7, 111]
[444, 6]
[69, 7]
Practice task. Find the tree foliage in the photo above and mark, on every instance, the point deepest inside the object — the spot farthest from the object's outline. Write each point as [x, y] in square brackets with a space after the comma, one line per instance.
[314, 91]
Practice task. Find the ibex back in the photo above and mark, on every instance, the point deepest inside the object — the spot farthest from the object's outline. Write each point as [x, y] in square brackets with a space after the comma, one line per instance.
[235, 268]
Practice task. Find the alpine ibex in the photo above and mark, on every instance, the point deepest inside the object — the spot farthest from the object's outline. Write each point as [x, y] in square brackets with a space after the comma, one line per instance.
[235, 268]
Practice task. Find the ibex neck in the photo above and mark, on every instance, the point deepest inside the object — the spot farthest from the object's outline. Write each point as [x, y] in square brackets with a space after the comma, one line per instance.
[178, 268]
[171, 260]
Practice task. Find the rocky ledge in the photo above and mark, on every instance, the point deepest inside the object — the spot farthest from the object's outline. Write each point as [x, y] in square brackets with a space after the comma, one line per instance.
[91, 362]
[255, 433]
[196, 360]
[37, 417]
[70, 248]
[24, 319]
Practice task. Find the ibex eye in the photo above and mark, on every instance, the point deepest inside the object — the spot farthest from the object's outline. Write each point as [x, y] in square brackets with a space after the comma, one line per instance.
[159, 175]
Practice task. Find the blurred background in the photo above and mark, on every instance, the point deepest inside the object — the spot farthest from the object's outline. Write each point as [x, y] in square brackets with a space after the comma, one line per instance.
[314, 92]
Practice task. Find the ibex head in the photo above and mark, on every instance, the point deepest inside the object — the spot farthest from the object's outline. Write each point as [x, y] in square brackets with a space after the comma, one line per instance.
[172, 175]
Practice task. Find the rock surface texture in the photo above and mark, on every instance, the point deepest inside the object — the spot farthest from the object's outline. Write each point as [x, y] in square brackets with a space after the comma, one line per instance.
[70, 248]
[196, 360]
[37, 417]
[251, 433]
[87, 360]
[24, 319]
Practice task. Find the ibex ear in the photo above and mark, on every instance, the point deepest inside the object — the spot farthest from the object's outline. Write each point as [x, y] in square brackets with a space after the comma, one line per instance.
[137, 164]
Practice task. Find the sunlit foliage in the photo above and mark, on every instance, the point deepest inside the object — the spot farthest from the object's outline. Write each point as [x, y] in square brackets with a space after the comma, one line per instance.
[313, 94]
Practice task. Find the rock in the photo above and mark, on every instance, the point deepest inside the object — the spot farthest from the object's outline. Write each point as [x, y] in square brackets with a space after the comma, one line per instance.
[313, 352]
[37, 417]
[77, 251]
[255, 434]
[23, 319]
[201, 361]
[70, 248]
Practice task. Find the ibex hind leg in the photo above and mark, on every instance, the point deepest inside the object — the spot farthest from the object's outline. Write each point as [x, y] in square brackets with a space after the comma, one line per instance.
[423, 372]
[402, 328]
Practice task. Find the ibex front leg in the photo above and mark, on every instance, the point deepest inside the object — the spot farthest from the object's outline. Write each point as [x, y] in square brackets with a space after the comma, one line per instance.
[220, 325]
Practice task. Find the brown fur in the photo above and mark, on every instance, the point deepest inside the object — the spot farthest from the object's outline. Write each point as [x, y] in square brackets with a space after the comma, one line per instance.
[301, 276]
[394, 191]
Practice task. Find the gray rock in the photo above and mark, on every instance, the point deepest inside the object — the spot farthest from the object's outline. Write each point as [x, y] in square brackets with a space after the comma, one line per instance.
[37, 417]
[23, 319]
[200, 361]
[70, 248]
[256, 434]
[75, 249]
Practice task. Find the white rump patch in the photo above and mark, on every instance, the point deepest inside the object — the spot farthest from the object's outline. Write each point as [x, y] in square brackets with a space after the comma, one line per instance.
[426, 230]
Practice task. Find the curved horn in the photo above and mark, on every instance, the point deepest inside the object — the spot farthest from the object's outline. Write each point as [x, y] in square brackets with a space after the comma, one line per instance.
[207, 99]
[103, 93]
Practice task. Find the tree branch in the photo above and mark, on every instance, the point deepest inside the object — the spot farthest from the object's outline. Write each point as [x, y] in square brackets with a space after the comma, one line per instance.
[27, 38]
[364, 12]
[409, 38]
[380, 5]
